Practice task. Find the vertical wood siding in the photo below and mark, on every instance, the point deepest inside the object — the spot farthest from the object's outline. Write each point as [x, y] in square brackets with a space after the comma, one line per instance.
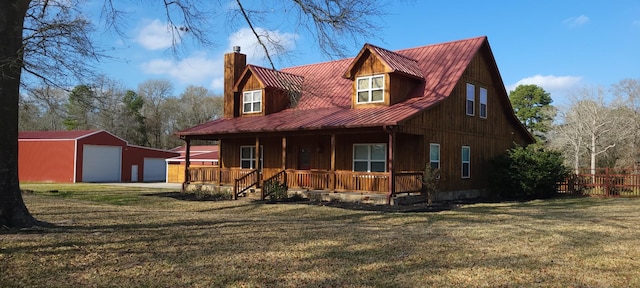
[448, 125]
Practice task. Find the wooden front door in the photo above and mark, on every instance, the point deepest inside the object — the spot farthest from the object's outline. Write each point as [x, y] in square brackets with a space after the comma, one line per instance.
[304, 158]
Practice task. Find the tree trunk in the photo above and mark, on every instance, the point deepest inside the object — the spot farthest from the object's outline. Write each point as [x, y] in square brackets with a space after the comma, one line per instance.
[593, 154]
[13, 212]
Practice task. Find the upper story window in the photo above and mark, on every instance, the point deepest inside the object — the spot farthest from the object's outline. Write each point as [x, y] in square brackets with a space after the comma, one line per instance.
[370, 157]
[471, 99]
[483, 103]
[370, 89]
[252, 101]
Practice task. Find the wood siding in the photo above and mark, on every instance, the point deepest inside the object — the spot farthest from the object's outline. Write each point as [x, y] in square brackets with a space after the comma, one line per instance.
[368, 65]
[396, 87]
[400, 87]
[448, 125]
[251, 83]
[273, 99]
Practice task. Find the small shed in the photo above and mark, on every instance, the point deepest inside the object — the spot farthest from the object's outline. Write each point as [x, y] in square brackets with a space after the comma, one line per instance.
[87, 156]
[199, 156]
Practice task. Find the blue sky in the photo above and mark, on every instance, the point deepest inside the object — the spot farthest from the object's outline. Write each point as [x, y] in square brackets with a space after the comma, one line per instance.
[558, 45]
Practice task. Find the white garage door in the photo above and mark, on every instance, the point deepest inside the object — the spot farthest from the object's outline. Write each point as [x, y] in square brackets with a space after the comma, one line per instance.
[101, 163]
[155, 170]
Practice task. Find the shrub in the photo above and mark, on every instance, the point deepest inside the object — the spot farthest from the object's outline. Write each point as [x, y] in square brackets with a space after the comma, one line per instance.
[430, 178]
[279, 191]
[527, 172]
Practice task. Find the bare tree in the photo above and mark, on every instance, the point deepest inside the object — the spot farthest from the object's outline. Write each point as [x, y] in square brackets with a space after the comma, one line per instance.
[591, 126]
[50, 39]
[109, 95]
[154, 93]
[568, 137]
[627, 94]
[51, 103]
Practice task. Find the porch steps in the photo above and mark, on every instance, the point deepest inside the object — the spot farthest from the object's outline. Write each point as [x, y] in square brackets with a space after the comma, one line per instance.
[253, 194]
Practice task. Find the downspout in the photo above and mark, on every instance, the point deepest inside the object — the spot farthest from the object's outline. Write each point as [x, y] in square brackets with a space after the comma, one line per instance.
[390, 156]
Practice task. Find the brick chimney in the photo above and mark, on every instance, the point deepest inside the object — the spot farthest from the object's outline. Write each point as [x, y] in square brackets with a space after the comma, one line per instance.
[234, 64]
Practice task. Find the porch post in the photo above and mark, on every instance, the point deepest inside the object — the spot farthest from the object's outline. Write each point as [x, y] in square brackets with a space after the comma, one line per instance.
[390, 166]
[220, 162]
[284, 152]
[257, 161]
[187, 160]
[332, 173]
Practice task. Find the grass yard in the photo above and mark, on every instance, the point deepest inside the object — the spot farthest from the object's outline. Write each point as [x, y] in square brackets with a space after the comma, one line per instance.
[109, 236]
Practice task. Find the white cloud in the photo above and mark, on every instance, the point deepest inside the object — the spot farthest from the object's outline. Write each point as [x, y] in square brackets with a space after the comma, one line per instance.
[208, 70]
[155, 35]
[217, 84]
[576, 21]
[277, 42]
[557, 86]
[195, 70]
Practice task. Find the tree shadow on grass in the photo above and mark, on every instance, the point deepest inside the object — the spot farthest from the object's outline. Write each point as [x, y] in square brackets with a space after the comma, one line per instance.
[188, 196]
[408, 208]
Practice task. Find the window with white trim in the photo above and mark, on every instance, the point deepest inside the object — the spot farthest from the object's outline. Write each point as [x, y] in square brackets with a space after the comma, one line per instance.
[483, 103]
[370, 157]
[370, 89]
[466, 162]
[248, 157]
[471, 99]
[252, 101]
[434, 156]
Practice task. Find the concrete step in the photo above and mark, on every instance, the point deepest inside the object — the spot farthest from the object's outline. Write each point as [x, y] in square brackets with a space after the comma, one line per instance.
[252, 193]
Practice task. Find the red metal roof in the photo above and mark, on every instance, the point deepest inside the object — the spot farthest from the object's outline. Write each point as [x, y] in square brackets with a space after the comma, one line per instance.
[196, 148]
[397, 62]
[56, 135]
[326, 96]
[274, 79]
[208, 156]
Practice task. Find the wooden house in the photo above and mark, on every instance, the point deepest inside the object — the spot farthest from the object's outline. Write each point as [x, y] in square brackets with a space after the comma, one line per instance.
[365, 125]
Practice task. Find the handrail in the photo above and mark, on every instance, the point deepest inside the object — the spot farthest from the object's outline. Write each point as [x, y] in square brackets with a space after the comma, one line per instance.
[273, 183]
[247, 183]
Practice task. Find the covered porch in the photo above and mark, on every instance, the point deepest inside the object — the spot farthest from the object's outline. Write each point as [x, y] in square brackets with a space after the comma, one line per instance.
[329, 162]
[331, 181]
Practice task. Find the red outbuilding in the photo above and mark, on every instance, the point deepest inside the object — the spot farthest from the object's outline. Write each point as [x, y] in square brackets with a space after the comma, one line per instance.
[87, 156]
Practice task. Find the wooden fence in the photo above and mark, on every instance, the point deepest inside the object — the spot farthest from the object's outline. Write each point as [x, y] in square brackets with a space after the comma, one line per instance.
[607, 182]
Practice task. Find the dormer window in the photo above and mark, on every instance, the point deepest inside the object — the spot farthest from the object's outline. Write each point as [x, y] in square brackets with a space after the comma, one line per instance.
[370, 89]
[252, 101]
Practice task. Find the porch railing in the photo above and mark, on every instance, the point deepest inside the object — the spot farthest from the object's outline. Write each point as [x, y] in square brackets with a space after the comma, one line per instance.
[216, 174]
[245, 182]
[375, 182]
[343, 181]
[308, 179]
[409, 182]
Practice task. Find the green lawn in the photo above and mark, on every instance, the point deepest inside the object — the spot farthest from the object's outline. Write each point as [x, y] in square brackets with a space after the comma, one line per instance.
[129, 237]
